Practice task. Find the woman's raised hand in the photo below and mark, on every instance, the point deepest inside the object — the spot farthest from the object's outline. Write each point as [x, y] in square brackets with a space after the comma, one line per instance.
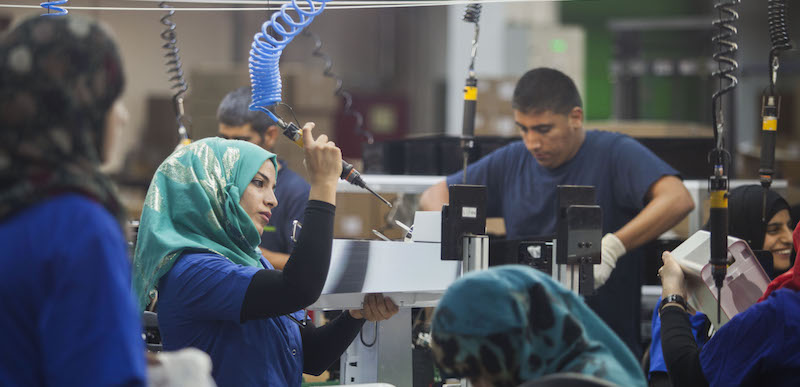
[323, 161]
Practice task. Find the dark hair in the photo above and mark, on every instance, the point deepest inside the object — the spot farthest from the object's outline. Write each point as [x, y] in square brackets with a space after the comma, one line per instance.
[543, 89]
[234, 110]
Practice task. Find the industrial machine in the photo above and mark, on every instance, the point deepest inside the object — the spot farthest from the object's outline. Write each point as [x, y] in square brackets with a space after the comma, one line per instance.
[569, 256]
[442, 247]
[414, 273]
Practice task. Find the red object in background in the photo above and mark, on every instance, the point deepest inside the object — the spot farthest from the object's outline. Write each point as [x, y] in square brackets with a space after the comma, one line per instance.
[385, 116]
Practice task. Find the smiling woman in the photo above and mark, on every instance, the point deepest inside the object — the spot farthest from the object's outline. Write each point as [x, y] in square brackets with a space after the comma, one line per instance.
[744, 222]
[774, 235]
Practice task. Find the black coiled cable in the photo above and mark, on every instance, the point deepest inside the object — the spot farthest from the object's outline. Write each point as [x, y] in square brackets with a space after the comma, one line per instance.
[779, 37]
[778, 31]
[472, 14]
[726, 48]
[174, 69]
[339, 90]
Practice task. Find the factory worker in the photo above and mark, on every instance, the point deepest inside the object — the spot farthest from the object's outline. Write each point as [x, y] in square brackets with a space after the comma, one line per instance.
[198, 247]
[757, 347]
[640, 195]
[69, 317]
[511, 324]
[744, 222]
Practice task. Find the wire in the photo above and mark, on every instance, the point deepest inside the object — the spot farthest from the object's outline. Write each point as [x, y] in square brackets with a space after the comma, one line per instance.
[358, 5]
[725, 49]
[54, 6]
[779, 37]
[374, 339]
[175, 72]
[339, 90]
[266, 51]
[472, 14]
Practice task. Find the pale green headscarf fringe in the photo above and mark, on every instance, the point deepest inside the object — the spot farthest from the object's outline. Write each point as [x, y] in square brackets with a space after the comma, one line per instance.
[193, 205]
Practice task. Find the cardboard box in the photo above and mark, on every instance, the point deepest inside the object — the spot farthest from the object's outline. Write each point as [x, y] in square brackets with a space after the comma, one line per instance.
[495, 125]
[494, 115]
[357, 214]
[306, 88]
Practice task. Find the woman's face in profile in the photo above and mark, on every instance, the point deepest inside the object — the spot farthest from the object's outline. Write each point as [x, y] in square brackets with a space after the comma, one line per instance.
[778, 240]
[258, 198]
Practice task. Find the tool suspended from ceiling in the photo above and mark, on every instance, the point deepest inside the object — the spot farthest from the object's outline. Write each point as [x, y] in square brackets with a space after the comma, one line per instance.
[725, 48]
[265, 76]
[472, 14]
[54, 6]
[175, 73]
[339, 90]
[770, 99]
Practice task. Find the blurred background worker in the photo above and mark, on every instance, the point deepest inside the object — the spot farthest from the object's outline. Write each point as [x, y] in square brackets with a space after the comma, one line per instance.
[65, 278]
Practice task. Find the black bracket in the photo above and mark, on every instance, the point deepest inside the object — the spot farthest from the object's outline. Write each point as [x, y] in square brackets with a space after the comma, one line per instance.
[579, 232]
[465, 215]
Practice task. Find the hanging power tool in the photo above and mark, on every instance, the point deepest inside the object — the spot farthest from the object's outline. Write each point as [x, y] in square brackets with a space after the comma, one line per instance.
[725, 48]
[770, 100]
[349, 173]
[471, 15]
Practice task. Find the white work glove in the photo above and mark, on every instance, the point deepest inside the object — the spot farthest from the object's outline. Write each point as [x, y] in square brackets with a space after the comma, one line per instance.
[612, 249]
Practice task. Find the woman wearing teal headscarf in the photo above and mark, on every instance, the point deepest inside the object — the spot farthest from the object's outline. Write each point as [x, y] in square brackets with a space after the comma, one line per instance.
[197, 255]
[511, 324]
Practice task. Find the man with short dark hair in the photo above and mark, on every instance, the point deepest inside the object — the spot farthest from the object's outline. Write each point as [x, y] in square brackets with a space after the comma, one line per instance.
[238, 122]
[641, 196]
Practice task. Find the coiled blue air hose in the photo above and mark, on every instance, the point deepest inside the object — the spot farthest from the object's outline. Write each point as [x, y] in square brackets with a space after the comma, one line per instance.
[265, 53]
[54, 6]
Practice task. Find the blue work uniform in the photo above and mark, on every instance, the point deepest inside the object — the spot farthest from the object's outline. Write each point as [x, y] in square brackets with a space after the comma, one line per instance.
[758, 347]
[291, 190]
[524, 193]
[69, 317]
[700, 326]
[199, 305]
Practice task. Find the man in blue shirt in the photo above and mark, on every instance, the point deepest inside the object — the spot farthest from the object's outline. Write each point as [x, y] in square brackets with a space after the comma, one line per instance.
[641, 196]
[238, 122]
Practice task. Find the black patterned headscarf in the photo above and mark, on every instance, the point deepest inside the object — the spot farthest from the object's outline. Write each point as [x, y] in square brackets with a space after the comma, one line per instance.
[59, 77]
[744, 209]
[511, 324]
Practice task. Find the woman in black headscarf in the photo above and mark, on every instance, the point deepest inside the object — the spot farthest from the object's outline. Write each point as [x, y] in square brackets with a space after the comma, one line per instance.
[745, 206]
[65, 285]
[745, 210]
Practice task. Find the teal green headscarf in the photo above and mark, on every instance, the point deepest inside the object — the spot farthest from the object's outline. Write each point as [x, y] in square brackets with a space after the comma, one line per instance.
[193, 205]
[513, 324]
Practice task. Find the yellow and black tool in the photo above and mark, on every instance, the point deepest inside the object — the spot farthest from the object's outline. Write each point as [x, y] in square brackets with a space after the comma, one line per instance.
[770, 107]
[472, 14]
[349, 173]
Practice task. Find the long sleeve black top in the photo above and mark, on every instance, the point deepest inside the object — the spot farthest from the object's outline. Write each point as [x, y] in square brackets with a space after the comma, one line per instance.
[680, 349]
[273, 293]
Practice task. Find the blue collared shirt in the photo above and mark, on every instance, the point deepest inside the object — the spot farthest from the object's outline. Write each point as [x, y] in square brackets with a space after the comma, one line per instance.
[200, 302]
